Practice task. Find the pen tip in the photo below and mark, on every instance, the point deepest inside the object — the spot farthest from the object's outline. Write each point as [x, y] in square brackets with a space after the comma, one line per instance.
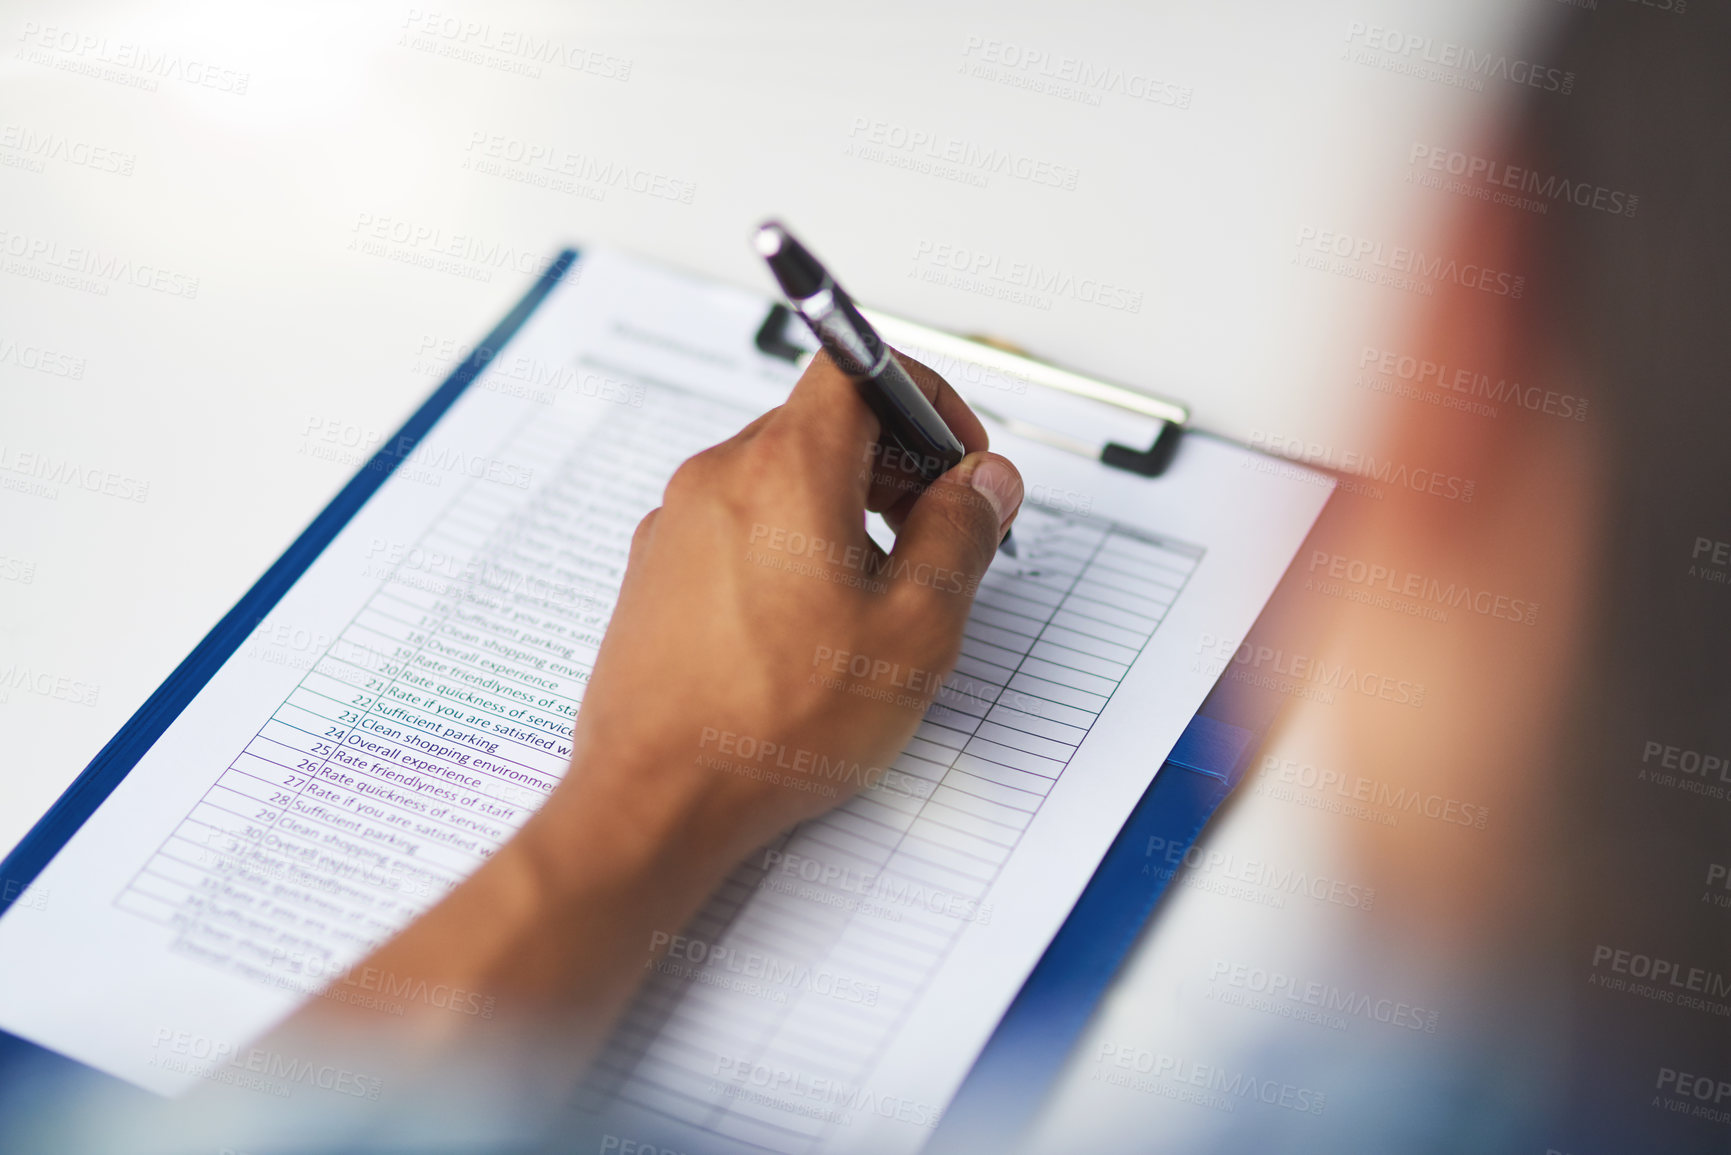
[1008, 545]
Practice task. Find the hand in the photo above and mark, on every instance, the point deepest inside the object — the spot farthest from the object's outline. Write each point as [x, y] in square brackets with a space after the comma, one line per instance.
[766, 658]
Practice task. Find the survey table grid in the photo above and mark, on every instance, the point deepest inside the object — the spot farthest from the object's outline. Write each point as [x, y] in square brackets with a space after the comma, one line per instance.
[437, 720]
[863, 904]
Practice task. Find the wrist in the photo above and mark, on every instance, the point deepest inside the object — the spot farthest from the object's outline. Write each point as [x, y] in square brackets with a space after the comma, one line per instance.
[642, 838]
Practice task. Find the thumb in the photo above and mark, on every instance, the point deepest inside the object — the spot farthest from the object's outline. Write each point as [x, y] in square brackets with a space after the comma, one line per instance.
[952, 532]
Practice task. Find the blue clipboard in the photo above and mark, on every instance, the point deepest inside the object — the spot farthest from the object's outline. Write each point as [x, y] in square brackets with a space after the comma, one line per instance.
[1008, 1082]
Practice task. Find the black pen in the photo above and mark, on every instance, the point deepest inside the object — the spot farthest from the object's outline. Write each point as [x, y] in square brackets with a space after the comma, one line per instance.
[911, 422]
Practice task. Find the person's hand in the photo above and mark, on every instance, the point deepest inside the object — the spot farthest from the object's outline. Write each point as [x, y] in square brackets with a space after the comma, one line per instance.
[766, 659]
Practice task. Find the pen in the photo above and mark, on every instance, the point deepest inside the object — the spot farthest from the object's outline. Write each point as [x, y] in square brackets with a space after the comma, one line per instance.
[908, 419]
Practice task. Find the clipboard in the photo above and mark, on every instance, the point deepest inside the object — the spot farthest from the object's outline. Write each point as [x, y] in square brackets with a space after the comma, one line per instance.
[1009, 1079]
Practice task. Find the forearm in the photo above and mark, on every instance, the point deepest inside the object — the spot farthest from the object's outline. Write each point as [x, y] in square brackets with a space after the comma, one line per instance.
[699, 721]
[546, 942]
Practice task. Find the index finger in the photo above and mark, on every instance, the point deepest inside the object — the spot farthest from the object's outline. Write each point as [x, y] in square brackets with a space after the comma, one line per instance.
[826, 412]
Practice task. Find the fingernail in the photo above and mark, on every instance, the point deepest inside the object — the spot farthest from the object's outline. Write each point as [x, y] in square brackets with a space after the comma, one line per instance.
[999, 484]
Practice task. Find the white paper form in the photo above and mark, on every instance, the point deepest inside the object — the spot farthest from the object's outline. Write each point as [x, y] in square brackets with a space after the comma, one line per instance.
[408, 703]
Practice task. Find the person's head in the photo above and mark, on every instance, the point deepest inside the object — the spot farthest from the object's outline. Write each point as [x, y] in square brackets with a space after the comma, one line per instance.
[1586, 729]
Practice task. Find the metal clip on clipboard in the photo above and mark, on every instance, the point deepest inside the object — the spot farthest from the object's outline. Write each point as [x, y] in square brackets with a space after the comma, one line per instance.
[1076, 413]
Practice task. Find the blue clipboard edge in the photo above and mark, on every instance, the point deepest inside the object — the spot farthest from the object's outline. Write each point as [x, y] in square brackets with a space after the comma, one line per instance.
[116, 759]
